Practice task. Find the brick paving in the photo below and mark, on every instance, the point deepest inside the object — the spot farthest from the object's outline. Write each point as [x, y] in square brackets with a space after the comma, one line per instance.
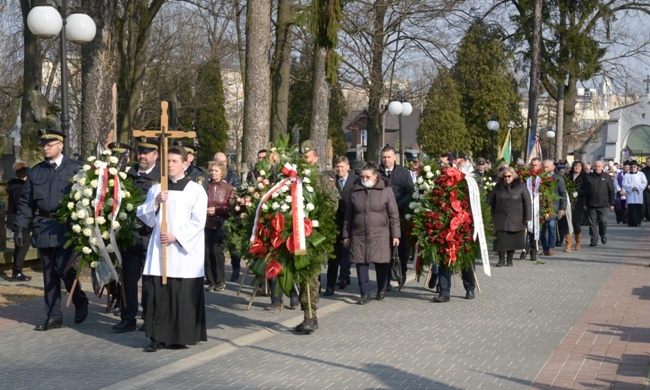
[577, 321]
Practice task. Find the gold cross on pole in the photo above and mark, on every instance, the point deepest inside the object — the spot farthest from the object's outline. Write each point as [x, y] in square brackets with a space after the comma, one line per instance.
[163, 134]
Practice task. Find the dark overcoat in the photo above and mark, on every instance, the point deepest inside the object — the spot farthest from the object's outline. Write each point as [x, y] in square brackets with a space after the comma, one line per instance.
[511, 207]
[371, 222]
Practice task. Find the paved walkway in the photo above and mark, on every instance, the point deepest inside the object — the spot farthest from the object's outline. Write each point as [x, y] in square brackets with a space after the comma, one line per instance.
[578, 321]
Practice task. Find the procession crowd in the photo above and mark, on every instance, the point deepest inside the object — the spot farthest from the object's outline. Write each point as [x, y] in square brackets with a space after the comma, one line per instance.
[540, 204]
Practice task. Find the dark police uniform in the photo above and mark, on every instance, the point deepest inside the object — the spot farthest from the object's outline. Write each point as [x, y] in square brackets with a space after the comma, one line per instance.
[133, 258]
[193, 172]
[40, 199]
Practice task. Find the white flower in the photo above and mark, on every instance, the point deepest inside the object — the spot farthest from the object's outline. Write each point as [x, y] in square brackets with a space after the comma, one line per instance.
[94, 184]
[111, 183]
[275, 206]
[109, 202]
[412, 205]
[307, 172]
[112, 170]
[485, 187]
[275, 195]
[101, 220]
[420, 180]
[114, 160]
[115, 225]
[288, 199]
[86, 167]
[127, 194]
[122, 194]
[309, 207]
[82, 181]
[262, 173]
[575, 193]
[284, 207]
[310, 188]
[93, 241]
[107, 152]
[265, 207]
[408, 216]
[306, 180]
[106, 235]
[429, 175]
[88, 192]
[75, 178]
[437, 173]
[122, 175]
[260, 186]
[74, 216]
[85, 202]
[109, 248]
[129, 206]
[416, 195]
[90, 221]
[122, 215]
[427, 168]
[76, 228]
[81, 214]
[91, 159]
[97, 164]
[93, 264]
[314, 223]
[70, 205]
[87, 232]
[256, 195]
[251, 189]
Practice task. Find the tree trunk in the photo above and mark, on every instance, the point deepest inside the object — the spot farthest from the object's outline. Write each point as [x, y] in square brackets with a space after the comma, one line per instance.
[559, 120]
[281, 70]
[320, 107]
[98, 74]
[376, 82]
[533, 92]
[31, 67]
[257, 84]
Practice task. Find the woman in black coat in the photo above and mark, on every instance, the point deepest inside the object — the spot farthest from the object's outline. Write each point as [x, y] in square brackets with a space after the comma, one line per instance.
[511, 211]
[577, 175]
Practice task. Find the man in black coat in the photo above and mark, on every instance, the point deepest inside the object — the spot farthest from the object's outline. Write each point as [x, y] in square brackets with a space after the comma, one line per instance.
[193, 172]
[598, 190]
[344, 184]
[144, 175]
[47, 183]
[14, 187]
[402, 184]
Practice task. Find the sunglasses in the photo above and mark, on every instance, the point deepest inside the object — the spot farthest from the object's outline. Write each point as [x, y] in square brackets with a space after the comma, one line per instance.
[507, 175]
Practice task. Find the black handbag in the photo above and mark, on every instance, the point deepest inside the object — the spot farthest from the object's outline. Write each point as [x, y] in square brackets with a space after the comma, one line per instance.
[396, 268]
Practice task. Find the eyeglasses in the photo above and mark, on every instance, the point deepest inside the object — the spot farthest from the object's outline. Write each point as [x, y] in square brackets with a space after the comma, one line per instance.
[51, 144]
[507, 175]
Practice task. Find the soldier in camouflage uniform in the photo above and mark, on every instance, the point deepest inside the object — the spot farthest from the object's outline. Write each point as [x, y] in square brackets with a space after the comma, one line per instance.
[193, 172]
[325, 184]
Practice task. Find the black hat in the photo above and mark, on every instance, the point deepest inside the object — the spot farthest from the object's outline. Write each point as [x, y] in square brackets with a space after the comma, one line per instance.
[633, 163]
[481, 160]
[146, 145]
[49, 135]
[188, 146]
[626, 162]
[118, 147]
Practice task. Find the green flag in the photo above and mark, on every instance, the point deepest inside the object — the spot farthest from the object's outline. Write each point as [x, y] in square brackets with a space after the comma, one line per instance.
[506, 151]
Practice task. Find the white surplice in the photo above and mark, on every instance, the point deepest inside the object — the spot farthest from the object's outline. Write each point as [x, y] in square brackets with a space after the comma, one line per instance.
[186, 215]
[631, 180]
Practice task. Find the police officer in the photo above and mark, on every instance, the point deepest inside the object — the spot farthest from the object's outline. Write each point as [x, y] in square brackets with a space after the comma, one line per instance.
[325, 184]
[144, 176]
[193, 172]
[47, 183]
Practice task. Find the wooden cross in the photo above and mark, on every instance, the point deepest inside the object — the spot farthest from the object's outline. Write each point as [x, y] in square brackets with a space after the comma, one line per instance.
[163, 134]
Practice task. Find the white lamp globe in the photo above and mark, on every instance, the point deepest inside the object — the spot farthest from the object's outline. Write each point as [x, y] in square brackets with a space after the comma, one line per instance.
[550, 134]
[407, 109]
[395, 108]
[44, 21]
[493, 125]
[80, 28]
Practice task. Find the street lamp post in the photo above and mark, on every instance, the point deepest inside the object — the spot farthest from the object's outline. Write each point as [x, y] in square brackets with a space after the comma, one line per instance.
[47, 21]
[550, 134]
[400, 107]
[493, 126]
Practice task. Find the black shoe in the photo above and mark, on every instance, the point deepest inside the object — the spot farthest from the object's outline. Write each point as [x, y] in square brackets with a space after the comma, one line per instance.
[273, 306]
[469, 295]
[124, 326]
[49, 324]
[177, 346]
[501, 264]
[220, 287]
[310, 326]
[364, 299]
[389, 287]
[441, 299]
[380, 295]
[593, 244]
[235, 275]
[603, 239]
[329, 291]
[142, 328]
[294, 303]
[210, 288]
[433, 281]
[343, 284]
[80, 313]
[21, 277]
[154, 346]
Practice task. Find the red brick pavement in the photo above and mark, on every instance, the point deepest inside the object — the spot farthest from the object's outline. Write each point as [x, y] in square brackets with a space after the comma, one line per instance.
[609, 347]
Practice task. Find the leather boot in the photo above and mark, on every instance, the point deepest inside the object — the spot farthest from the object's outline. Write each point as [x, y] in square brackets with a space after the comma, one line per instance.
[311, 324]
[568, 243]
[509, 258]
[578, 240]
[502, 259]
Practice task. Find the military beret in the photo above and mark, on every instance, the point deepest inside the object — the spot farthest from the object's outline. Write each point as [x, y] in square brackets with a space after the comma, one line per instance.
[119, 147]
[49, 135]
[307, 146]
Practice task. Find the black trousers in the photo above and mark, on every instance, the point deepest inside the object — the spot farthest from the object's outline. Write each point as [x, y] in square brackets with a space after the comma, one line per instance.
[341, 261]
[132, 264]
[363, 275]
[621, 213]
[597, 222]
[54, 261]
[20, 254]
[646, 204]
[635, 214]
[215, 263]
[444, 278]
